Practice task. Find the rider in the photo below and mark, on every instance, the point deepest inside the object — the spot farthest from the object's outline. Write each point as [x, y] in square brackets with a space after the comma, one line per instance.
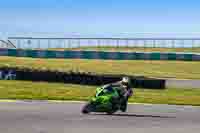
[124, 89]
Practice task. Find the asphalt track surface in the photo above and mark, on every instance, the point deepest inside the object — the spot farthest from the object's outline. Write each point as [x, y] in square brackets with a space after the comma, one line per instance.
[177, 83]
[51, 117]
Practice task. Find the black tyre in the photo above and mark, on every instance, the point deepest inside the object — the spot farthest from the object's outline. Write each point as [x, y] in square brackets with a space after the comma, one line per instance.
[87, 108]
[111, 112]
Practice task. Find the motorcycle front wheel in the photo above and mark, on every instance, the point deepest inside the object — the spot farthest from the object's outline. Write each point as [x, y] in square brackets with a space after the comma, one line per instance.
[87, 108]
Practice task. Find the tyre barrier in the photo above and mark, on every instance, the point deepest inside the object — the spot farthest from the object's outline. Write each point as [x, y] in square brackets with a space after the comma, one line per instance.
[28, 74]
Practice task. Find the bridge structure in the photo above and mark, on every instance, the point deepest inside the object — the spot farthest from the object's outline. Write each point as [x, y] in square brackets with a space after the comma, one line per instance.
[6, 44]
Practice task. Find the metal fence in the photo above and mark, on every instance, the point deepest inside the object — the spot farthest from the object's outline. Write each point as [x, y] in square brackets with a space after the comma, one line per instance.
[47, 43]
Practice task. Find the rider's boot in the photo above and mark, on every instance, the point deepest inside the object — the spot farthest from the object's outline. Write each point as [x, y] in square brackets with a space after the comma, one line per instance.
[123, 106]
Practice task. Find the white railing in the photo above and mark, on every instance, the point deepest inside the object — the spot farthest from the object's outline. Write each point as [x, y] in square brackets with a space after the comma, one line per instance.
[46, 43]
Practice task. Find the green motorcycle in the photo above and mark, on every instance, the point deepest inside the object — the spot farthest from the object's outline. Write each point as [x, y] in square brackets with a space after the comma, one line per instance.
[105, 100]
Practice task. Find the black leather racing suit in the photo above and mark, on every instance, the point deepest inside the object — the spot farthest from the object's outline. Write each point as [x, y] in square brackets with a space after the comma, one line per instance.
[125, 91]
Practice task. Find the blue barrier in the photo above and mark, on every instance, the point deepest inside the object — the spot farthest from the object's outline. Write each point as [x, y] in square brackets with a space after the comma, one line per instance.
[100, 55]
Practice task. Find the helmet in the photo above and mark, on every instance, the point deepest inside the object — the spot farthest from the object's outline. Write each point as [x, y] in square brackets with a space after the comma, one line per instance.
[126, 81]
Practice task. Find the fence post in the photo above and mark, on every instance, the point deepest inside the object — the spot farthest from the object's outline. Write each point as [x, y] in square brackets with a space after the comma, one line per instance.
[173, 43]
[135, 43]
[183, 42]
[98, 43]
[64, 44]
[69, 43]
[193, 43]
[154, 43]
[18, 43]
[38, 43]
[79, 43]
[127, 43]
[117, 43]
[49, 44]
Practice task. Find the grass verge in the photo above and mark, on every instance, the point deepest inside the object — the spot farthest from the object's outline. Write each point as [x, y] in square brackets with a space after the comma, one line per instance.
[132, 49]
[168, 69]
[54, 91]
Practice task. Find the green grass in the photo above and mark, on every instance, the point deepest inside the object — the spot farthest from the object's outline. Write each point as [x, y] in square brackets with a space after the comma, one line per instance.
[137, 49]
[54, 91]
[160, 69]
